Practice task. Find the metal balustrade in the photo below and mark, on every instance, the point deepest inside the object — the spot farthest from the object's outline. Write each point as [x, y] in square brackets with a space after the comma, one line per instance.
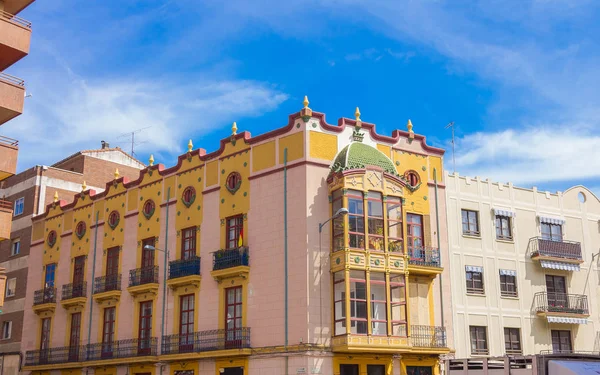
[107, 283]
[223, 259]
[561, 303]
[72, 290]
[144, 275]
[428, 336]
[46, 295]
[217, 339]
[556, 249]
[184, 267]
[424, 256]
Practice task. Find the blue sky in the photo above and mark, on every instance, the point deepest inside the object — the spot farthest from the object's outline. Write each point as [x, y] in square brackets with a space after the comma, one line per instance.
[519, 78]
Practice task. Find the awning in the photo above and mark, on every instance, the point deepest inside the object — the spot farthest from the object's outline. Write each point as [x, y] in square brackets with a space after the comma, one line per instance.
[508, 272]
[559, 265]
[566, 320]
[474, 269]
[551, 220]
[501, 212]
[573, 367]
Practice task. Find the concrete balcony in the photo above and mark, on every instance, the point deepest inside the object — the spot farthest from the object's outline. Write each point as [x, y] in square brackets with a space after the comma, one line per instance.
[561, 255]
[424, 260]
[12, 96]
[6, 213]
[185, 273]
[107, 288]
[44, 300]
[74, 296]
[9, 149]
[562, 307]
[143, 282]
[231, 263]
[15, 6]
[15, 37]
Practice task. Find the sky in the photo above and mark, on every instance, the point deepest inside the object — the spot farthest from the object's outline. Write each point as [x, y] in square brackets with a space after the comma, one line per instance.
[519, 79]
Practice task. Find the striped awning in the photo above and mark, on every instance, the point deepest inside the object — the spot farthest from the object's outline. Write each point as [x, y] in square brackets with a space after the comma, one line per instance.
[474, 269]
[551, 220]
[559, 265]
[566, 320]
[502, 212]
[508, 272]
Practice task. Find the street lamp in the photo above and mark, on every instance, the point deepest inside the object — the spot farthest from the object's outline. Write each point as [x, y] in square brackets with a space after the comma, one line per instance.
[341, 212]
[162, 326]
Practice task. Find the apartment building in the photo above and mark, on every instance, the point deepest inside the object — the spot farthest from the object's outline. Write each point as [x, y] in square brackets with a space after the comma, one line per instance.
[27, 194]
[524, 268]
[313, 248]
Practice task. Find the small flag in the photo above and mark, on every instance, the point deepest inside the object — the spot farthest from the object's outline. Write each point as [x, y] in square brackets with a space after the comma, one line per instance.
[240, 238]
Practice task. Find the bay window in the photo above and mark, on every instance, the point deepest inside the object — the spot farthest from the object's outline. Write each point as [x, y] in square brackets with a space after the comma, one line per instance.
[375, 223]
[356, 219]
[358, 303]
[339, 302]
[338, 222]
[398, 304]
[394, 222]
[378, 304]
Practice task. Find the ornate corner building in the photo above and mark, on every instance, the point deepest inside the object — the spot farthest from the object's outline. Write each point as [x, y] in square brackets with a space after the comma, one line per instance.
[313, 248]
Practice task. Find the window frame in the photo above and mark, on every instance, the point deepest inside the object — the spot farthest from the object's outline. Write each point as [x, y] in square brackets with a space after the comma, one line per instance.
[401, 285]
[397, 243]
[355, 302]
[50, 283]
[145, 330]
[342, 306]
[17, 242]
[7, 287]
[75, 329]
[238, 228]
[374, 302]
[505, 289]
[338, 241]
[356, 195]
[480, 337]
[499, 220]
[187, 339]
[473, 288]
[188, 237]
[548, 235]
[234, 334]
[559, 336]
[375, 239]
[7, 323]
[512, 346]
[470, 231]
[19, 204]
[46, 326]
[411, 237]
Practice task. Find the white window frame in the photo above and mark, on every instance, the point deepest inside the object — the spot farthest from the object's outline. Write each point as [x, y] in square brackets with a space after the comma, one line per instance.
[7, 289]
[16, 241]
[19, 202]
[9, 325]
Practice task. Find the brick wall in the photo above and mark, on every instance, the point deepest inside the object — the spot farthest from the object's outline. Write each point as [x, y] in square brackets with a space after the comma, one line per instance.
[24, 235]
[98, 172]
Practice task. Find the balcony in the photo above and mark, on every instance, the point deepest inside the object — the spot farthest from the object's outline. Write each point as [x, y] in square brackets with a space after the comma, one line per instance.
[15, 6]
[428, 337]
[424, 260]
[185, 273]
[561, 255]
[9, 150]
[74, 295]
[15, 35]
[107, 288]
[231, 263]
[6, 213]
[53, 356]
[558, 307]
[44, 300]
[12, 96]
[197, 342]
[143, 282]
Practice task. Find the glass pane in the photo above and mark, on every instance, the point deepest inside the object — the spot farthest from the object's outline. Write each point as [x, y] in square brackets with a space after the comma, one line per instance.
[338, 276]
[376, 370]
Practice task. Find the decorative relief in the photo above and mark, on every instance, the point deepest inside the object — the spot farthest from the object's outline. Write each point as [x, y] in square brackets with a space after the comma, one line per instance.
[233, 183]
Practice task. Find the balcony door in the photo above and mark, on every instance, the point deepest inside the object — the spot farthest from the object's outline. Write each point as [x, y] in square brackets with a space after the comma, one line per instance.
[108, 332]
[112, 269]
[186, 324]
[556, 288]
[78, 275]
[74, 337]
[233, 318]
[419, 370]
[561, 341]
[49, 276]
[45, 340]
[147, 271]
[145, 328]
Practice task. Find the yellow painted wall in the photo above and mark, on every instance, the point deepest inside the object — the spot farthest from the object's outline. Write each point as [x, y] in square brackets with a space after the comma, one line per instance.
[189, 216]
[80, 246]
[322, 145]
[295, 146]
[212, 176]
[263, 156]
[435, 162]
[148, 227]
[51, 254]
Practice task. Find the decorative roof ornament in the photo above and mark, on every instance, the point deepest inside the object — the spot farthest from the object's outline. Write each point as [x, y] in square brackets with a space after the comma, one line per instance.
[234, 129]
[306, 113]
[190, 146]
[117, 174]
[357, 116]
[305, 102]
[360, 156]
[151, 160]
[357, 136]
[409, 126]
[83, 186]
[55, 196]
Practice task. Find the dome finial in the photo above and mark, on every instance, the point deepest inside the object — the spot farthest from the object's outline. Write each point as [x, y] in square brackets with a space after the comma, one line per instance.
[117, 174]
[409, 126]
[55, 196]
[357, 114]
[151, 160]
[305, 102]
[234, 128]
[190, 146]
[83, 186]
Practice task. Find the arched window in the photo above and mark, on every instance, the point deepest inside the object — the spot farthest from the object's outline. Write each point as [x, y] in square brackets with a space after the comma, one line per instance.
[234, 180]
[80, 229]
[413, 178]
[148, 209]
[189, 196]
[51, 238]
[113, 219]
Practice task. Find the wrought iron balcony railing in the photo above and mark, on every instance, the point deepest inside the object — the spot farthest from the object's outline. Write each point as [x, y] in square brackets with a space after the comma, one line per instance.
[107, 283]
[556, 249]
[184, 267]
[218, 339]
[145, 275]
[53, 356]
[424, 256]
[561, 303]
[46, 295]
[70, 291]
[428, 336]
[223, 259]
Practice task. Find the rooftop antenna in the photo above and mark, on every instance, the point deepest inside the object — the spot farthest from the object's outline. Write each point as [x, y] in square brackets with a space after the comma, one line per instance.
[132, 136]
[451, 125]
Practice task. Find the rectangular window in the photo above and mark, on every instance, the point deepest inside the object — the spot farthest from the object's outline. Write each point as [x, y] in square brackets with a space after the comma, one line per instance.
[11, 287]
[470, 222]
[15, 248]
[478, 340]
[394, 218]
[338, 223]
[6, 330]
[112, 269]
[378, 304]
[349, 370]
[78, 270]
[45, 334]
[148, 254]
[188, 243]
[556, 289]
[339, 302]
[233, 317]
[512, 341]
[414, 236]
[375, 223]
[49, 278]
[356, 219]
[508, 285]
[551, 232]
[375, 369]
[234, 232]
[398, 304]
[474, 281]
[503, 228]
[358, 303]
[186, 323]
[74, 338]
[145, 328]
[561, 341]
[19, 206]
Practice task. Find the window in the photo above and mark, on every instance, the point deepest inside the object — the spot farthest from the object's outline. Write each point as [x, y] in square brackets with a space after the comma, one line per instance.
[74, 337]
[349, 369]
[80, 229]
[6, 330]
[512, 341]
[108, 331]
[375, 212]
[378, 304]
[188, 196]
[50, 271]
[148, 208]
[19, 206]
[375, 369]
[233, 182]
[338, 222]
[414, 236]
[474, 279]
[78, 270]
[478, 340]
[235, 227]
[148, 254]
[561, 341]
[188, 243]
[358, 303]
[508, 283]
[398, 305]
[51, 239]
[145, 328]
[45, 335]
[394, 217]
[339, 303]
[470, 222]
[113, 219]
[11, 287]
[503, 228]
[15, 248]
[552, 232]
[186, 323]
[356, 219]
[233, 316]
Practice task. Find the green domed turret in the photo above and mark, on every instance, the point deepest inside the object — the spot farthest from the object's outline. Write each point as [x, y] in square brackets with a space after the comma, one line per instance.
[358, 156]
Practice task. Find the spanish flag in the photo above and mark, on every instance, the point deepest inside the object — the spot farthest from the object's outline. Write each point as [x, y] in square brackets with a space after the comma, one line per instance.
[241, 238]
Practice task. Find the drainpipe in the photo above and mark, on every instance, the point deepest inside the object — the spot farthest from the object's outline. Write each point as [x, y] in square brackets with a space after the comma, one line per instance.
[166, 251]
[285, 252]
[93, 279]
[437, 224]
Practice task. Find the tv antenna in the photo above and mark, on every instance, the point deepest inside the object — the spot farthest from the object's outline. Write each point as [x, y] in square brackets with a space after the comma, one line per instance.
[451, 125]
[131, 136]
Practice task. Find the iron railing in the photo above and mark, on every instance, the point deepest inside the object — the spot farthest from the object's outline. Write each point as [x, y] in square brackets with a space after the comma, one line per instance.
[556, 249]
[11, 79]
[5, 141]
[46, 295]
[14, 19]
[561, 303]
[184, 267]
[428, 336]
[6, 205]
[569, 351]
[223, 259]
[52, 356]
[217, 339]
[74, 290]
[145, 275]
[107, 283]
[424, 256]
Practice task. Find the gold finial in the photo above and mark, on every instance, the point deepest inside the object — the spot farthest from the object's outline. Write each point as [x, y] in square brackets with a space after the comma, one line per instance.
[116, 173]
[357, 114]
[84, 186]
[151, 160]
[234, 129]
[409, 125]
[190, 146]
[305, 102]
[55, 196]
